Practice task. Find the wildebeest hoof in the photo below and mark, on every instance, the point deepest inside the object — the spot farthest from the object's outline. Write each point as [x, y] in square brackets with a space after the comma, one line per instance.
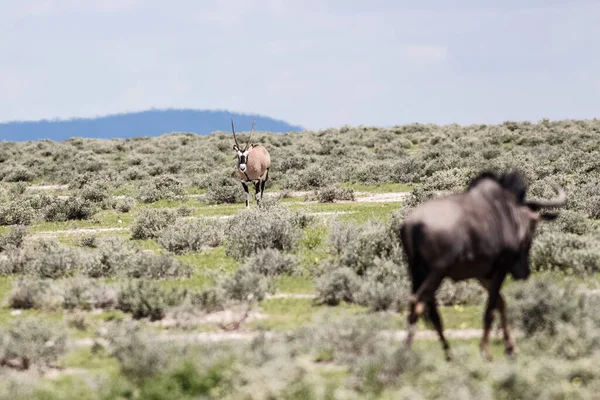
[487, 356]
[511, 351]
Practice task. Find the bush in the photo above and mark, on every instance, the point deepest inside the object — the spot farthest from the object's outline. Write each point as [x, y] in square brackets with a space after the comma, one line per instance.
[210, 299]
[96, 192]
[124, 204]
[360, 247]
[336, 285]
[145, 299]
[261, 228]
[163, 187]
[116, 257]
[272, 262]
[151, 221]
[45, 259]
[190, 236]
[16, 212]
[32, 341]
[460, 293]
[539, 305]
[568, 252]
[139, 358]
[19, 174]
[29, 293]
[73, 208]
[245, 284]
[157, 266]
[384, 287]
[88, 240]
[224, 189]
[77, 294]
[14, 239]
[330, 194]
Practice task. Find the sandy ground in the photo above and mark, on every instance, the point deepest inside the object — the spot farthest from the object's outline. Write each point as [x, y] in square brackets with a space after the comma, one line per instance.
[208, 337]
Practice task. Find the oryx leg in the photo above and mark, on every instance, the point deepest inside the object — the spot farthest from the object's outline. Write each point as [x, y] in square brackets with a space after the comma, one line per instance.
[257, 191]
[488, 317]
[423, 297]
[263, 183]
[509, 344]
[245, 186]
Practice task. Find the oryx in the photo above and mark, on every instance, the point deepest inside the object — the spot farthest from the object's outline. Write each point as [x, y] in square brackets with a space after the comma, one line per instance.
[253, 163]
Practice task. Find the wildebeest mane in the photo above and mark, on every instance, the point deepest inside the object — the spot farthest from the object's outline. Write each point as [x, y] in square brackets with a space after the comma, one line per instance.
[512, 181]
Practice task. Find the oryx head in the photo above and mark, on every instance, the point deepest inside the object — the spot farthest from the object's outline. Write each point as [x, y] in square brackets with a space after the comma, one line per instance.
[242, 153]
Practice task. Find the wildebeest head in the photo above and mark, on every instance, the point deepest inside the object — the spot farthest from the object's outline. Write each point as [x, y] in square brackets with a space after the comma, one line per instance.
[242, 153]
[527, 213]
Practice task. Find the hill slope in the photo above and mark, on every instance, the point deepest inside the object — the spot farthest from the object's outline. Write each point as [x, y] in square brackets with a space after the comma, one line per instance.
[144, 123]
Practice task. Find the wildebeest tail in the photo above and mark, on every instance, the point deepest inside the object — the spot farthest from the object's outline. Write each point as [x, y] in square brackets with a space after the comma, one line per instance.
[417, 267]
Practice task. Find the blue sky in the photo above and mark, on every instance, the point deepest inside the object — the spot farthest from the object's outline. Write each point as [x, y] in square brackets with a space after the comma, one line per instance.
[318, 63]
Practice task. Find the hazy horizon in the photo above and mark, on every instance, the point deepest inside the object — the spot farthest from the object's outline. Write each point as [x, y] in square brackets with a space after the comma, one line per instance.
[317, 64]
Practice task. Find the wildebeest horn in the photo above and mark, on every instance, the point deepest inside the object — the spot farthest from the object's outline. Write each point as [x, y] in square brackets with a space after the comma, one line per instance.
[250, 138]
[234, 137]
[556, 202]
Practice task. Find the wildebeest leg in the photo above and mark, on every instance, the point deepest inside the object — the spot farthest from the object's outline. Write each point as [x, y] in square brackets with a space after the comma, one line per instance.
[424, 295]
[509, 344]
[488, 318]
[245, 185]
[436, 320]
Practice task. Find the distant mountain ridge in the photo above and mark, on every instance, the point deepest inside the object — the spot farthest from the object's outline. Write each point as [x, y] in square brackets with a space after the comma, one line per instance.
[142, 123]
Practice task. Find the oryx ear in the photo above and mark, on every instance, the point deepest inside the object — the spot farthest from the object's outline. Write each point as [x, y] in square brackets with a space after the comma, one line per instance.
[235, 148]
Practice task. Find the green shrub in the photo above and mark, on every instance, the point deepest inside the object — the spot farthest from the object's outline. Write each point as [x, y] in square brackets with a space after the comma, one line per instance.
[96, 192]
[151, 221]
[139, 358]
[210, 299]
[568, 252]
[145, 299]
[192, 235]
[272, 262]
[336, 285]
[32, 341]
[73, 208]
[163, 187]
[77, 294]
[88, 240]
[43, 258]
[245, 284]
[117, 257]
[14, 239]
[16, 212]
[29, 293]
[124, 205]
[19, 174]
[539, 305]
[273, 227]
[330, 194]
[224, 189]
[360, 247]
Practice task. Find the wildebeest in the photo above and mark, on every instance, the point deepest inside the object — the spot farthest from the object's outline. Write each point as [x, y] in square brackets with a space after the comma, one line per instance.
[253, 163]
[483, 233]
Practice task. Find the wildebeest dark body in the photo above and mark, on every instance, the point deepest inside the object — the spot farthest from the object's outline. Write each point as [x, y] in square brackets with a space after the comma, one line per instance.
[483, 233]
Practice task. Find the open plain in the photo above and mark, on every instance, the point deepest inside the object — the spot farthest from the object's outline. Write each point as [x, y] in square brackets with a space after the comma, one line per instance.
[132, 268]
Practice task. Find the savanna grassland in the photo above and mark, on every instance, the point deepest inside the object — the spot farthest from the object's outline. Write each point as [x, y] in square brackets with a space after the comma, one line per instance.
[131, 269]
